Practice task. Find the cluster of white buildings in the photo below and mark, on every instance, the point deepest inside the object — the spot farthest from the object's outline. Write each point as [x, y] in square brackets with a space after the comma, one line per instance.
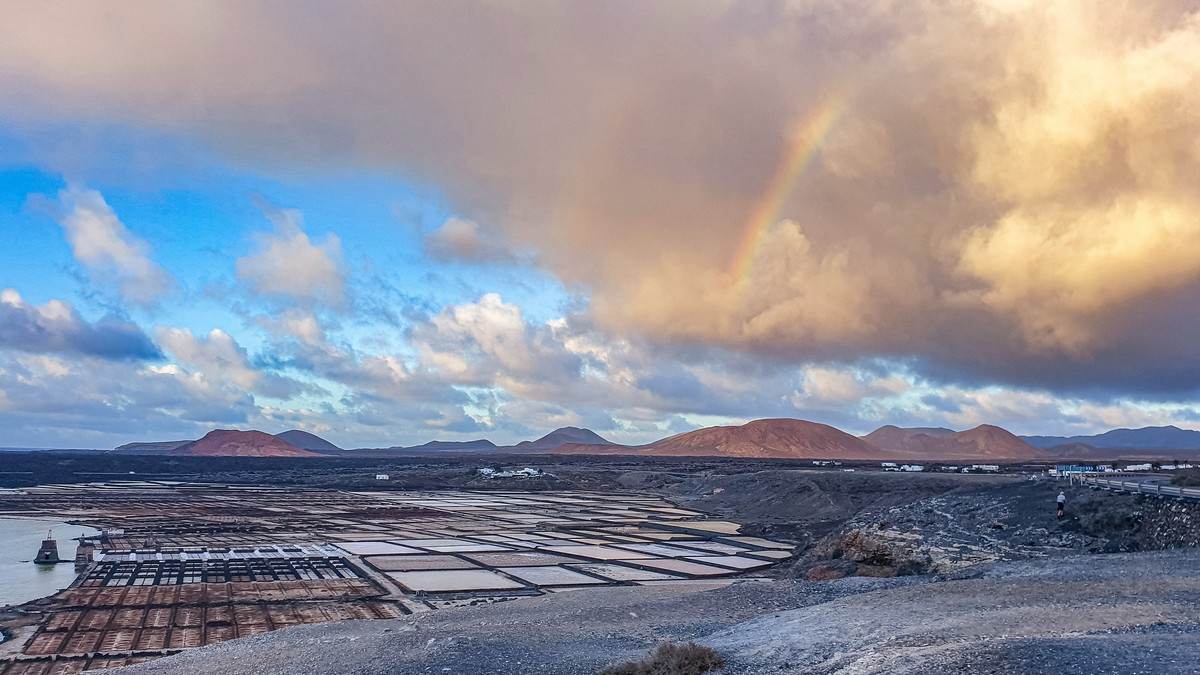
[1076, 469]
[952, 468]
[527, 472]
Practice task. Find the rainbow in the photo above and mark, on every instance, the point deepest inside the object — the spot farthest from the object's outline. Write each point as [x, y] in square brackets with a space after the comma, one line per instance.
[810, 133]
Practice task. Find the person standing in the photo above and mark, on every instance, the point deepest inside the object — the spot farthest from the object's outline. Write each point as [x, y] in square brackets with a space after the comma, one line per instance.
[1062, 504]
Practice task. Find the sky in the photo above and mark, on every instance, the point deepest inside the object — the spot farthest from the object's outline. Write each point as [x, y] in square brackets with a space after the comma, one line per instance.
[387, 223]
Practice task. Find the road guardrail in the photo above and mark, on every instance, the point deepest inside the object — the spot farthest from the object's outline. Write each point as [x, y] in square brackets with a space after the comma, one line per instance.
[1139, 487]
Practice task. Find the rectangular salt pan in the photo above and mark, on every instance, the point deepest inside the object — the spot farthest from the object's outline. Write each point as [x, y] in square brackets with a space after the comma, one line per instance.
[375, 548]
[452, 581]
[552, 576]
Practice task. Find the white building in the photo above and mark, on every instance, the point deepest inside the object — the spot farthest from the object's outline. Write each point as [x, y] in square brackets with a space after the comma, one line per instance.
[527, 472]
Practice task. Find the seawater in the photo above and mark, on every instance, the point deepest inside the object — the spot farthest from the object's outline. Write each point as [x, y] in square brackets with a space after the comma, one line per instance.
[20, 579]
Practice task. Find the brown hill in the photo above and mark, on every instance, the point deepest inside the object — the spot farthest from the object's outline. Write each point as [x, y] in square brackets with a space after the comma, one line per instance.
[984, 442]
[777, 438]
[231, 443]
[898, 439]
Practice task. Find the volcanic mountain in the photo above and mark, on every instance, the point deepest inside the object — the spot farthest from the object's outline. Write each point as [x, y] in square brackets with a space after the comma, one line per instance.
[307, 441]
[563, 436]
[985, 442]
[230, 443]
[780, 438]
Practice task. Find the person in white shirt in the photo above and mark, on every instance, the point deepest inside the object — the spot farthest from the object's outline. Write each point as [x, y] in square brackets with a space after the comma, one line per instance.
[1062, 504]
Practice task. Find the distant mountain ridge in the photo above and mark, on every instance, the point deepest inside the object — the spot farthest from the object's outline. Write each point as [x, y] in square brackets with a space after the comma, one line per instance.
[149, 448]
[552, 440]
[450, 446]
[901, 439]
[768, 438]
[776, 438]
[984, 442]
[1146, 438]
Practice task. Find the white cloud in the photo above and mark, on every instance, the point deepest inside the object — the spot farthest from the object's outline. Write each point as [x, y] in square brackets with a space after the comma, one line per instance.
[290, 265]
[107, 250]
[830, 386]
[481, 342]
[217, 356]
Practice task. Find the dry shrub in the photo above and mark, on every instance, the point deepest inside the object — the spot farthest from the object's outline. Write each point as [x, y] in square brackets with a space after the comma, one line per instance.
[672, 659]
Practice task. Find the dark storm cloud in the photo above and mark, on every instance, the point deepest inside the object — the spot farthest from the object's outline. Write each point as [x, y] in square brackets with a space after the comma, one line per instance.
[57, 328]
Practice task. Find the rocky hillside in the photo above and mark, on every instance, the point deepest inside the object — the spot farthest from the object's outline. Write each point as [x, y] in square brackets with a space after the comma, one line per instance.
[1007, 521]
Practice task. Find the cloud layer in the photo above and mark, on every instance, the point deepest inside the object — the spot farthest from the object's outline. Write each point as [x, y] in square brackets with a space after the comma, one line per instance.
[796, 207]
[996, 185]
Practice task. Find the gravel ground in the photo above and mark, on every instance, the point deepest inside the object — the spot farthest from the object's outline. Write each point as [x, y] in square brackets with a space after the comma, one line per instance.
[1007, 613]
[1122, 613]
[574, 632]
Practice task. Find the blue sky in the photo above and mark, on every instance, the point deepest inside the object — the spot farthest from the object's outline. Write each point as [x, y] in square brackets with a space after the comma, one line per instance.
[594, 217]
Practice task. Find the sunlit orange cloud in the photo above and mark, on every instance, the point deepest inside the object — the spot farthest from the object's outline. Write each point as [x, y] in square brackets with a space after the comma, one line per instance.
[805, 144]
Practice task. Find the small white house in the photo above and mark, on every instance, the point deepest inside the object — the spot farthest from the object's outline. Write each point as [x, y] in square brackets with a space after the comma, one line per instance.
[985, 467]
[912, 467]
[382, 476]
[1137, 467]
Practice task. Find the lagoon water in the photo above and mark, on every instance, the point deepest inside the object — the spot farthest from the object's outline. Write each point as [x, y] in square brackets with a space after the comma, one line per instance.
[21, 580]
